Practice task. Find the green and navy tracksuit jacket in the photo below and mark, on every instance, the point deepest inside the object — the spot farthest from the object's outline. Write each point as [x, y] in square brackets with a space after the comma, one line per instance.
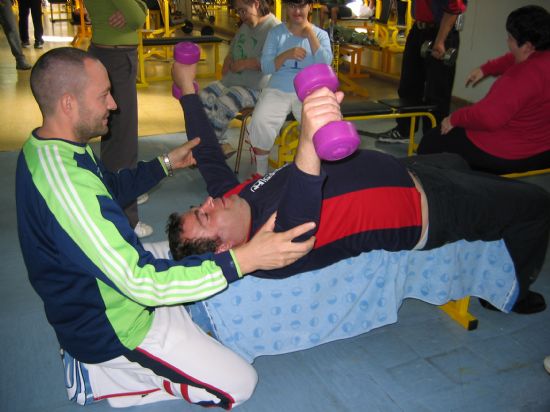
[98, 284]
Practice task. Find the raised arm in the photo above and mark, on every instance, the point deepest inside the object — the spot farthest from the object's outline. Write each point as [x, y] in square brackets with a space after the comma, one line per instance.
[210, 160]
[323, 48]
[303, 197]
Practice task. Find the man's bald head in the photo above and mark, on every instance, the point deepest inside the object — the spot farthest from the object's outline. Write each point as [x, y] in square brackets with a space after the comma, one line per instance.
[57, 72]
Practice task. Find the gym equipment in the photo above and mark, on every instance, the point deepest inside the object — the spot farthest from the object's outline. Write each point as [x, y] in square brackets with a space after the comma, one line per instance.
[335, 140]
[187, 27]
[207, 31]
[186, 53]
[449, 58]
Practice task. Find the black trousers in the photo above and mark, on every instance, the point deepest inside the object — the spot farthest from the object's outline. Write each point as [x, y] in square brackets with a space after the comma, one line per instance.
[456, 141]
[119, 147]
[35, 8]
[470, 205]
[8, 23]
[425, 79]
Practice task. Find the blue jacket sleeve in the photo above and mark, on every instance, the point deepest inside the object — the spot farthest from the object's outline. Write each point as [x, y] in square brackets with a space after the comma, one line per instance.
[127, 184]
[324, 52]
[270, 51]
[216, 173]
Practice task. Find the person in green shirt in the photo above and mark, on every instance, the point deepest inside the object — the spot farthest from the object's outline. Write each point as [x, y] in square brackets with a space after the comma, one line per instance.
[115, 25]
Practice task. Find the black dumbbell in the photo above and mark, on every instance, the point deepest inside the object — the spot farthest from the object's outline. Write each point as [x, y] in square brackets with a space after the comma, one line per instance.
[187, 27]
[449, 58]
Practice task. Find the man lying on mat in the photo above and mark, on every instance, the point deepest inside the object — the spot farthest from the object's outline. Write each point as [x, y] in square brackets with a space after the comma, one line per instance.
[367, 201]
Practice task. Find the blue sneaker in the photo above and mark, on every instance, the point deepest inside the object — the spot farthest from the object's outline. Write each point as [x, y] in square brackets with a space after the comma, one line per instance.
[77, 381]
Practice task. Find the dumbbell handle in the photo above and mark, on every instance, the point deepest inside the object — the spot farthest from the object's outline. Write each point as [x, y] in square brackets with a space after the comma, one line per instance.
[185, 53]
[314, 77]
[449, 57]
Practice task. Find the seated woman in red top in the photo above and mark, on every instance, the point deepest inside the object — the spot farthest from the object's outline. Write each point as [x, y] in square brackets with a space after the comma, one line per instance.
[509, 129]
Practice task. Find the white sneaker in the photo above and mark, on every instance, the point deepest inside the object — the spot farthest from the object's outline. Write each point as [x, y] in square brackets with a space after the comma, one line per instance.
[547, 364]
[142, 199]
[143, 229]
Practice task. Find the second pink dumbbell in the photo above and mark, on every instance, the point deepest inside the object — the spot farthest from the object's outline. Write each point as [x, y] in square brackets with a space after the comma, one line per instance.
[335, 140]
[186, 53]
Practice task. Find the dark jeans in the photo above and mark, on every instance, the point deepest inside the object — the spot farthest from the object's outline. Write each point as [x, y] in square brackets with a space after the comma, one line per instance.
[8, 23]
[35, 8]
[119, 147]
[456, 141]
[473, 206]
[425, 79]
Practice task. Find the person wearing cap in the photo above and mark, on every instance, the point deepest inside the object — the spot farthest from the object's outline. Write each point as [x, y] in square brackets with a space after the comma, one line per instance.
[242, 77]
[289, 48]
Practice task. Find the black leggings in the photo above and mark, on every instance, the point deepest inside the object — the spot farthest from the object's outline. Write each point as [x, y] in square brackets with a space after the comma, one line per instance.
[456, 141]
[473, 206]
[425, 79]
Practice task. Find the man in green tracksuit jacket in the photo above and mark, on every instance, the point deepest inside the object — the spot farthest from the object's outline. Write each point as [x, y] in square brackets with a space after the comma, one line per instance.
[114, 307]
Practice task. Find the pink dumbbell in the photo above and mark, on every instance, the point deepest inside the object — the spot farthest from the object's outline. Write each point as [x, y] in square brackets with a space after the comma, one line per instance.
[186, 53]
[335, 140]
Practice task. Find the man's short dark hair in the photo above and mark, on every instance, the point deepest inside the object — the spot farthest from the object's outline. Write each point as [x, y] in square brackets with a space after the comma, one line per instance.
[181, 249]
[56, 72]
[530, 24]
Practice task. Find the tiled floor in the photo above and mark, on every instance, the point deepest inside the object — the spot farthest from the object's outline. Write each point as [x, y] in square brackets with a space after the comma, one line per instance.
[424, 362]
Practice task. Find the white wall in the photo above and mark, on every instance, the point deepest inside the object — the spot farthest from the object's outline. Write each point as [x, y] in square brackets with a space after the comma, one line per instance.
[483, 38]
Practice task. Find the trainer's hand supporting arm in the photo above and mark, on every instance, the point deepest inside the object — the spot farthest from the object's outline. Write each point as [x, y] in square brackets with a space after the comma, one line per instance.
[268, 250]
[181, 156]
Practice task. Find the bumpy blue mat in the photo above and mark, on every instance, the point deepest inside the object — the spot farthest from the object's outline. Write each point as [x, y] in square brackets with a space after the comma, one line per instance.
[257, 317]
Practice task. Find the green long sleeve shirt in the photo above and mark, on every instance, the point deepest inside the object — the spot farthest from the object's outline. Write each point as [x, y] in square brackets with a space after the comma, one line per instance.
[134, 11]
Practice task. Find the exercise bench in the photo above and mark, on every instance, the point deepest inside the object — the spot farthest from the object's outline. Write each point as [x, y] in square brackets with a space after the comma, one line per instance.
[287, 141]
[244, 116]
[458, 309]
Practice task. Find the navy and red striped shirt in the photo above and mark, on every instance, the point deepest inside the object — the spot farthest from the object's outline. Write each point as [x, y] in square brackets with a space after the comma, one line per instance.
[365, 202]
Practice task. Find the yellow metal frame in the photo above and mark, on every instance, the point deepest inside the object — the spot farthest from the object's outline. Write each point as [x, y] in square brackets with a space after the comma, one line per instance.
[163, 52]
[458, 310]
[83, 31]
[526, 174]
[167, 30]
[386, 34]
[388, 44]
[287, 141]
[167, 55]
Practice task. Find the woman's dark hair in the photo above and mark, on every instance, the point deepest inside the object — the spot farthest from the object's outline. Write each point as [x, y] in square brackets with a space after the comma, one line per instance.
[264, 8]
[530, 24]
